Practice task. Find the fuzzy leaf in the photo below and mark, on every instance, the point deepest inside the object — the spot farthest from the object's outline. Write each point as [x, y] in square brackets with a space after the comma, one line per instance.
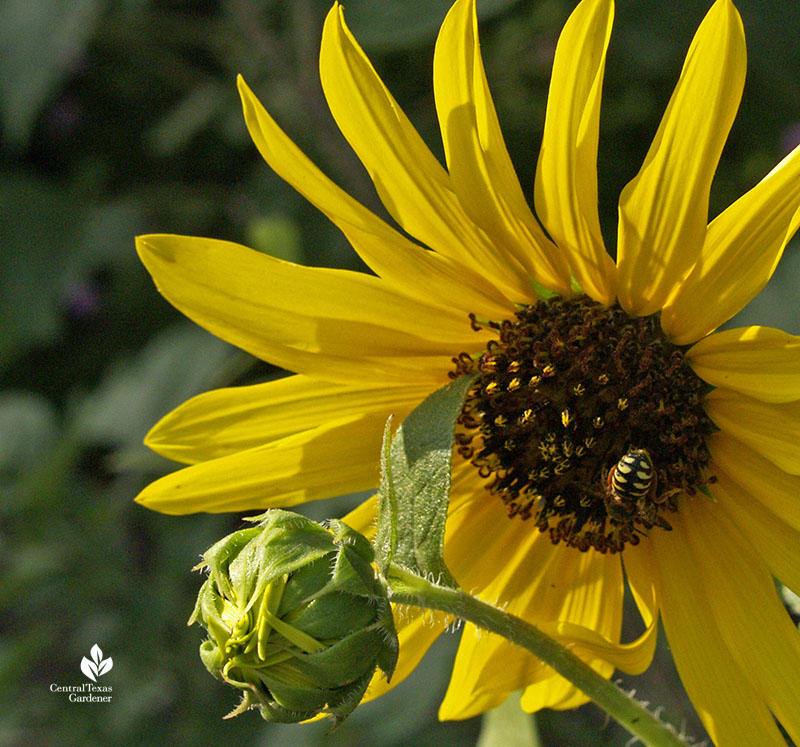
[415, 489]
[386, 536]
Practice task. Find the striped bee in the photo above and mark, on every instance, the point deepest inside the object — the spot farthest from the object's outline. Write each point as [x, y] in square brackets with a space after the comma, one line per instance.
[630, 480]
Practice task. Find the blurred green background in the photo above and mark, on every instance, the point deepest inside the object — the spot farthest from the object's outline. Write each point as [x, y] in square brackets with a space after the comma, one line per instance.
[121, 117]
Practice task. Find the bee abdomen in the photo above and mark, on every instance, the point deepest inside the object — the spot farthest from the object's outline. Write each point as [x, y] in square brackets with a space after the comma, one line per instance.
[632, 477]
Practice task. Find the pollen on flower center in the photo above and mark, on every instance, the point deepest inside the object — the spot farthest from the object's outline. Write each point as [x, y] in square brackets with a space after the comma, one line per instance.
[586, 421]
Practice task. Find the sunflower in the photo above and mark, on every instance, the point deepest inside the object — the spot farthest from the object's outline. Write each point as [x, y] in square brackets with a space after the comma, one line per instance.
[610, 427]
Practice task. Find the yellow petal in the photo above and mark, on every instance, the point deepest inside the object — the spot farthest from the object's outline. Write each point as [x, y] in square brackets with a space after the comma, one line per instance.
[416, 630]
[364, 517]
[742, 248]
[553, 691]
[481, 654]
[731, 707]
[773, 539]
[333, 324]
[566, 177]
[465, 695]
[225, 421]
[778, 491]
[771, 430]
[663, 212]
[633, 657]
[480, 169]
[479, 519]
[758, 361]
[476, 515]
[749, 614]
[641, 572]
[557, 693]
[409, 268]
[411, 183]
[576, 597]
[336, 458]
[487, 667]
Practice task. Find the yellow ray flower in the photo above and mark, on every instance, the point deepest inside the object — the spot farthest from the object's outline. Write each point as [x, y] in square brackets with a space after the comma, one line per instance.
[607, 429]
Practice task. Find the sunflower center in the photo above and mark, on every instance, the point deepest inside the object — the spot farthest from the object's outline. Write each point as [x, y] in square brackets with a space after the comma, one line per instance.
[586, 421]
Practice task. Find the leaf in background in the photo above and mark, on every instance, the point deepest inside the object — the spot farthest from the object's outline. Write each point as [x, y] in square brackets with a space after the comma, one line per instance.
[508, 726]
[277, 235]
[177, 364]
[107, 230]
[191, 115]
[51, 241]
[36, 232]
[28, 426]
[40, 45]
[401, 24]
[419, 464]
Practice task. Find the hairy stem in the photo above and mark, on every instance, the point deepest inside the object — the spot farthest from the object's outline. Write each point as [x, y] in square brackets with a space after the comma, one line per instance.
[408, 588]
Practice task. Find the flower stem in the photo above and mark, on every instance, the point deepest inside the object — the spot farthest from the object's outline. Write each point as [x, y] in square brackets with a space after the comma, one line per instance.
[408, 588]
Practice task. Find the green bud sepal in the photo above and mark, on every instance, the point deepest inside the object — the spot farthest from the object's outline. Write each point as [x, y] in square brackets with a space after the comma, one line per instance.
[296, 617]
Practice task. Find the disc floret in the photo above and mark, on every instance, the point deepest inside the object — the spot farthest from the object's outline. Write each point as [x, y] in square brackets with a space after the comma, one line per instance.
[568, 389]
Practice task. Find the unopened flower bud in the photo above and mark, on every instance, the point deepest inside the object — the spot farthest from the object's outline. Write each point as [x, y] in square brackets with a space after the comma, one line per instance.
[296, 617]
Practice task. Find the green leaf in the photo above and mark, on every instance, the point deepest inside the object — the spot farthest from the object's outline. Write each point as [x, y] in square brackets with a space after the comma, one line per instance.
[193, 114]
[276, 234]
[28, 428]
[52, 240]
[37, 231]
[415, 489]
[41, 43]
[179, 362]
[508, 726]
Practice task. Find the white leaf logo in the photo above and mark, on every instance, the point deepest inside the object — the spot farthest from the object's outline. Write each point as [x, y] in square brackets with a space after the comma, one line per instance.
[96, 666]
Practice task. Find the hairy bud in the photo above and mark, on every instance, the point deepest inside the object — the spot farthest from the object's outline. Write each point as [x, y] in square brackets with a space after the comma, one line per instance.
[296, 617]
